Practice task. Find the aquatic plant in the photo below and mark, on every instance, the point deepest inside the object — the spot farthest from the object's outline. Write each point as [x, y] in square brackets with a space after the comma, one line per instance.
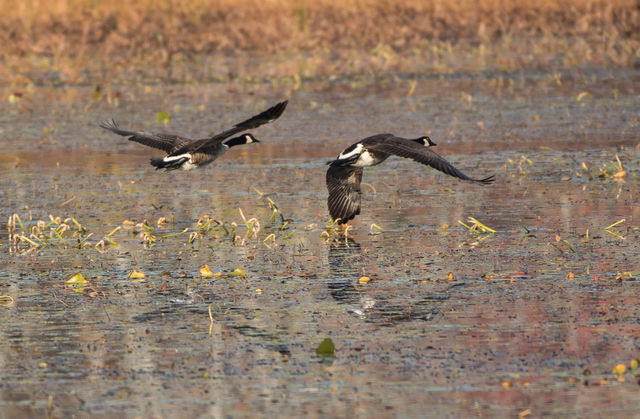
[33, 235]
[605, 170]
[480, 231]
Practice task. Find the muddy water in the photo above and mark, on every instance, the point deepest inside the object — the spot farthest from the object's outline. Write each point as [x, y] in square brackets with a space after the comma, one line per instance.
[530, 317]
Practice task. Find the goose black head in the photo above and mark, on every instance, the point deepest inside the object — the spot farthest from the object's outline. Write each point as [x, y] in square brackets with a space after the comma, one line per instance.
[249, 138]
[242, 139]
[425, 141]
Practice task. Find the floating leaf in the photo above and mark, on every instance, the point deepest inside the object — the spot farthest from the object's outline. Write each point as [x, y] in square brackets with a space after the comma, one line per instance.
[450, 276]
[136, 274]
[364, 279]
[524, 413]
[633, 365]
[239, 272]
[619, 369]
[619, 175]
[7, 301]
[163, 117]
[326, 348]
[76, 279]
[206, 272]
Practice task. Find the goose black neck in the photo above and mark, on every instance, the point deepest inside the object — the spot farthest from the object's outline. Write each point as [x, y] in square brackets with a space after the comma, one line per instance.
[236, 141]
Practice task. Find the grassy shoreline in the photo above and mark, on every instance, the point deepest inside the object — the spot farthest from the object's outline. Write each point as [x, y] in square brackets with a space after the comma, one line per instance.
[207, 40]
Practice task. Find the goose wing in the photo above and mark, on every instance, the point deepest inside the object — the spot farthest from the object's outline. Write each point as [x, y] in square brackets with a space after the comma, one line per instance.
[262, 118]
[343, 183]
[165, 142]
[403, 147]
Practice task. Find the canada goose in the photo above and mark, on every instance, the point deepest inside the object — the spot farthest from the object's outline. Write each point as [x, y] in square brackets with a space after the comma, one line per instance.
[185, 153]
[345, 173]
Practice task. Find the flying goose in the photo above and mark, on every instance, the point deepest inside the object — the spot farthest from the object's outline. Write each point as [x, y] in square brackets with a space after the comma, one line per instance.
[185, 153]
[345, 172]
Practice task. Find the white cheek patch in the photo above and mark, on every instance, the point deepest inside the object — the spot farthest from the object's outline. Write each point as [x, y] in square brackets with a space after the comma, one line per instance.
[352, 153]
[248, 139]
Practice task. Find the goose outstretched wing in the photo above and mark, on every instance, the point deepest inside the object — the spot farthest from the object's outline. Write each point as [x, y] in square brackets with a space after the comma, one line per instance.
[165, 142]
[343, 183]
[403, 147]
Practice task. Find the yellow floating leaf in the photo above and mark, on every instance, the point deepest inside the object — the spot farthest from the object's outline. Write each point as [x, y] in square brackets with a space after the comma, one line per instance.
[163, 117]
[619, 369]
[206, 272]
[506, 384]
[633, 364]
[259, 291]
[619, 175]
[450, 276]
[524, 413]
[364, 279]
[42, 365]
[136, 274]
[76, 279]
[6, 300]
[239, 272]
[571, 275]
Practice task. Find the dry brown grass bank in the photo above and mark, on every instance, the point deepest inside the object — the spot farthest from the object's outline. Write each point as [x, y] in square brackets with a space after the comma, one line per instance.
[156, 38]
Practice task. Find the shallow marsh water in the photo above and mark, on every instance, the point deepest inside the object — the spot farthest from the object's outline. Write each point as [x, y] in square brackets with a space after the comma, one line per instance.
[491, 324]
